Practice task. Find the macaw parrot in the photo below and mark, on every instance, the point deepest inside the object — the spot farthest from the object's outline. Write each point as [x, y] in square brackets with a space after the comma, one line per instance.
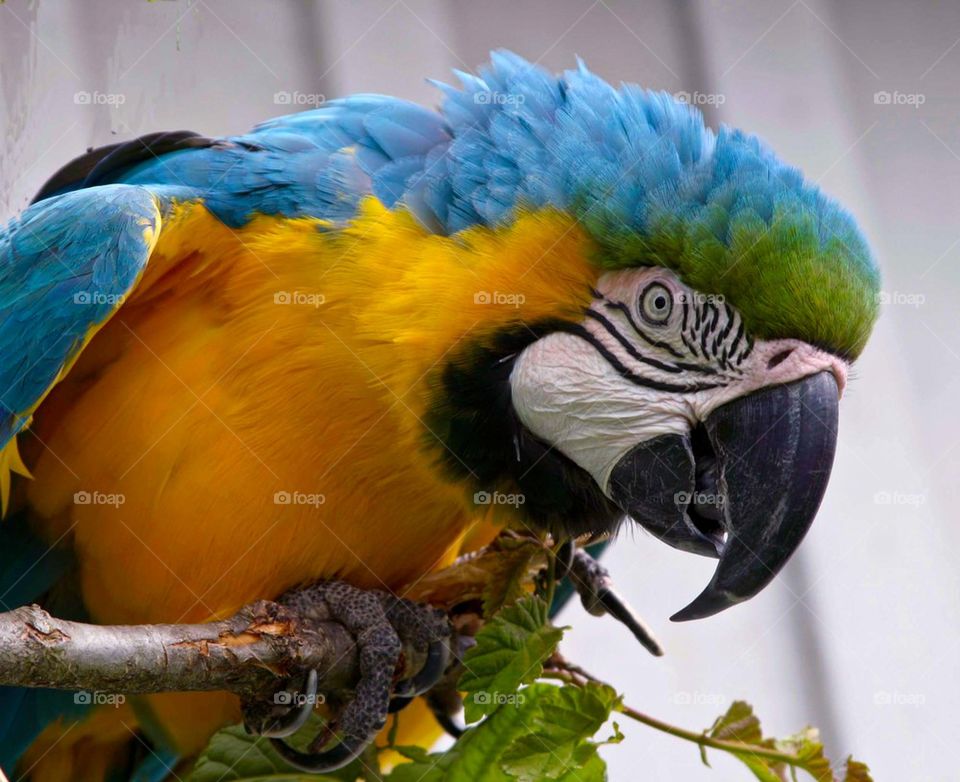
[359, 340]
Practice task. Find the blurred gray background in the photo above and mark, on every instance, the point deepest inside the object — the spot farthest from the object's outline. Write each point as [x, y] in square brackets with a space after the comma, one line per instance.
[861, 633]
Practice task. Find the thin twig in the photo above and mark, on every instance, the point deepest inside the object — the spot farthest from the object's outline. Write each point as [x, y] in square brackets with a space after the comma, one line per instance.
[701, 739]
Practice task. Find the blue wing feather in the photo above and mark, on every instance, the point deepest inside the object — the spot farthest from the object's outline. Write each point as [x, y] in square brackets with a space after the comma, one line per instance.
[67, 262]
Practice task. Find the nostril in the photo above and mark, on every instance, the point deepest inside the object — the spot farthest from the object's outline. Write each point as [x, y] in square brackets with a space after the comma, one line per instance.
[778, 359]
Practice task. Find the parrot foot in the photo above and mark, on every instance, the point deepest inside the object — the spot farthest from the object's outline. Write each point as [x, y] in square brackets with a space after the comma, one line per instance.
[383, 625]
[593, 583]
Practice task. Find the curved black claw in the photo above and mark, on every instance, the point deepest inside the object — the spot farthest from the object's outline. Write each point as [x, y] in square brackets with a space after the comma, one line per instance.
[320, 762]
[399, 703]
[598, 595]
[565, 558]
[438, 660]
[297, 716]
[444, 704]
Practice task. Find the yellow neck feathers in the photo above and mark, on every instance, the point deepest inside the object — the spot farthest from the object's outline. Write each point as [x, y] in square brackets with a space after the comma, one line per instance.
[418, 299]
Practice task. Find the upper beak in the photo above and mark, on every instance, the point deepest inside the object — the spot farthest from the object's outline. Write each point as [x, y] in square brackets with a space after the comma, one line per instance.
[752, 500]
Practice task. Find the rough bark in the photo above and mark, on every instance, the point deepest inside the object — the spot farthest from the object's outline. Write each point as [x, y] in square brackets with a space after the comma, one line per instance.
[250, 653]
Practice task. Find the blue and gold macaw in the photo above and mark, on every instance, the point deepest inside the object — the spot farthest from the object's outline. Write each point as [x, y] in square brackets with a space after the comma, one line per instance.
[361, 339]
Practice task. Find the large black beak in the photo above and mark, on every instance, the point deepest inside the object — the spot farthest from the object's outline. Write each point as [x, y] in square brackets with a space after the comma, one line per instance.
[746, 488]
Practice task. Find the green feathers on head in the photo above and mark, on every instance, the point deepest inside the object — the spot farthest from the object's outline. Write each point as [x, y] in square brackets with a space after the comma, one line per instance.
[743, 225]
[785, 279]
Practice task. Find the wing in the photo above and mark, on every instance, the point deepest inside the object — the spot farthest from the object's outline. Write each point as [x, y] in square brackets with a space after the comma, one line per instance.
[66, 266]
[69, 261]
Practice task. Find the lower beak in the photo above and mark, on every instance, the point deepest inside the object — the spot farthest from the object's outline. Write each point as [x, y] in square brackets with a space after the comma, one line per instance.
[749, 494]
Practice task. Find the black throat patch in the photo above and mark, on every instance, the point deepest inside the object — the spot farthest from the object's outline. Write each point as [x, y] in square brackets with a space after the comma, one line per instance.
[494, 455]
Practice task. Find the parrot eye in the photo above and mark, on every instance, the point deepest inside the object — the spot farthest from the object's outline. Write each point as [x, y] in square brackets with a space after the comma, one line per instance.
[656, 304]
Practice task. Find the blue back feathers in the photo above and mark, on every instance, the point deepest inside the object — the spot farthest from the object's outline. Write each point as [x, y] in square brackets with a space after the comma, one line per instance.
[512, 137]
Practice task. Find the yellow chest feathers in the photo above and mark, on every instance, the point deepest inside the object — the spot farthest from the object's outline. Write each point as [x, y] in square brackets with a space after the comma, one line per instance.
[253, 416]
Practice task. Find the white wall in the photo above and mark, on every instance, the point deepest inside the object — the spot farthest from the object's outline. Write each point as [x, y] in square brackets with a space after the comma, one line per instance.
[869, 612]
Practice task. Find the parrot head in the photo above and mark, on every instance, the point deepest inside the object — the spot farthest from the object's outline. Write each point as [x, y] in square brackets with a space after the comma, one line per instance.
[688, 378]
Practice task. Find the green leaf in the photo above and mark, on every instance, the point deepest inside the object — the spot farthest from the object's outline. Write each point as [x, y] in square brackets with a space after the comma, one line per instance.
[804, 749]
[738, 724]
[617, 736]
[416, 754]
[741, 724]
[427, 770]
[594, 770]
[479, 755]
[475, 756]
[559, 733]
[510, 573]
[510, 652]
[233, 755]
[808, 749]
[855, 771]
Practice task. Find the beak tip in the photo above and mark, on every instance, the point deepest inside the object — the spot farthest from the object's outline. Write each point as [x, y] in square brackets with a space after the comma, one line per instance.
[709, 602]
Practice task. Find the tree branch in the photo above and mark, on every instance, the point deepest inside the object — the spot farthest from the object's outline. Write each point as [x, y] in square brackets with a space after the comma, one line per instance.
[250, 654]
[253, 654]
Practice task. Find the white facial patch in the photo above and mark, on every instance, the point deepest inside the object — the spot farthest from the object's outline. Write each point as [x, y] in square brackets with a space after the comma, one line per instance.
[637, 370]
[568, 394]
